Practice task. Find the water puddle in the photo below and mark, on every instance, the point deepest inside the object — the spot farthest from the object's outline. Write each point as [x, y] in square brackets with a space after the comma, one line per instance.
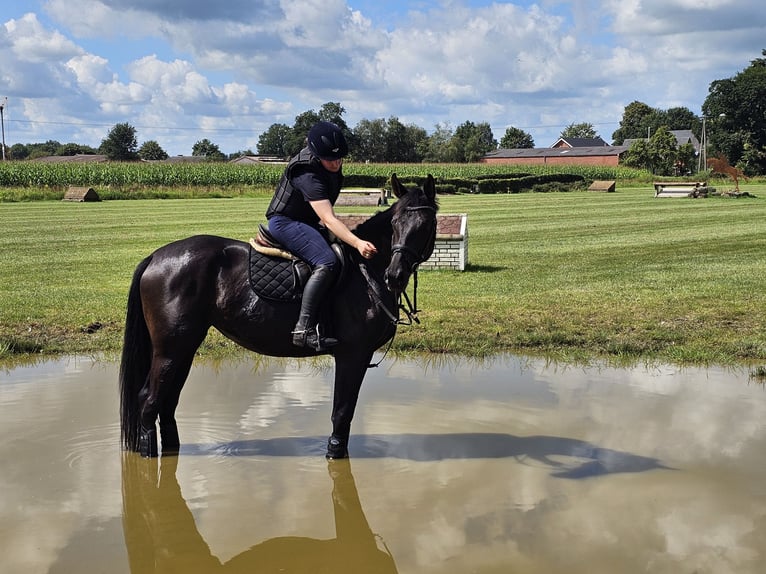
[508, 465]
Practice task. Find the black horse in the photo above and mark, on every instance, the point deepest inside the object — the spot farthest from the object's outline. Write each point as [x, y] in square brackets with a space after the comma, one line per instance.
[186, 287]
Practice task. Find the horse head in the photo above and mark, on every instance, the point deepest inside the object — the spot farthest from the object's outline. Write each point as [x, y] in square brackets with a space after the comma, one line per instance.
[414, 231]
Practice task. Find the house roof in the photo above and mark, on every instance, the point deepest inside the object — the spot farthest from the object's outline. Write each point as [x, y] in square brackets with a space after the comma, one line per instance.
[580, 142]
[682, 137]
[590, 151]
[185, 159]
[77, 158]
[257, 159]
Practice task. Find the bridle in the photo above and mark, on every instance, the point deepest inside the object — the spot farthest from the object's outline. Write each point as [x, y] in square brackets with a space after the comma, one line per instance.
[414, 258]
[405, 250]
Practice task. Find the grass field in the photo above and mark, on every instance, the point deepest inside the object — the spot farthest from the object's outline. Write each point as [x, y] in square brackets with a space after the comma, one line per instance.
[579, 275]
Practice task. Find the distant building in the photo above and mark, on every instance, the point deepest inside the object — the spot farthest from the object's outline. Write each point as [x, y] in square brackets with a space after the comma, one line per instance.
[566, 151]
[579, 142]
[182, 159]
[77, 158]
[682, 137]
[257, 159]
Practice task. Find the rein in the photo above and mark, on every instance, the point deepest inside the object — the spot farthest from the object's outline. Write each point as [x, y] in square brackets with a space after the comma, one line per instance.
[410, 310]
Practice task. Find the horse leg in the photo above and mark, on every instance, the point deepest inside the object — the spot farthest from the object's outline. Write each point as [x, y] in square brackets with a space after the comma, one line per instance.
[349, 374]
[171, 443]
[159, 397]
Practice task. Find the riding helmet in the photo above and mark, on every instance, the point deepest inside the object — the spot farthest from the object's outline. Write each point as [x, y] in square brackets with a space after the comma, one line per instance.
[326, 141]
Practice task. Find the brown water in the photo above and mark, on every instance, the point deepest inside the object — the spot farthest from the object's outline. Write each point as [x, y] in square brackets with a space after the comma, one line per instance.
[506, 466]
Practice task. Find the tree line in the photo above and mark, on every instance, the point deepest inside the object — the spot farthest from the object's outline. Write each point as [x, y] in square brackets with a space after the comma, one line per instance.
[733, 121]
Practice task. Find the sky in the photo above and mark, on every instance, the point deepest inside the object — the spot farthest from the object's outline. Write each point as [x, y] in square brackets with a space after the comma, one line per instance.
[180, 71]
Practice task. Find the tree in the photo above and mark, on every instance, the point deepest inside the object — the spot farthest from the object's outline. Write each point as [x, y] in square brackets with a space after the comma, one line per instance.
[471, 141]
[516, 138]
[333, 112]
[663, 150]
[300, 130]
[120, 144]
[151, 150]
[18, 151]
[415, 138]
[205, 147]
[681, 118]
[329, 112]
[370, 137]
[583, 130]
[736, 113]
[74, 149]
[635, 123]
[436, 147]
[660, 154]
[389, 140]
[37, 150]
[641, 121]
[274, 141]
[638, 155]
[397, 146]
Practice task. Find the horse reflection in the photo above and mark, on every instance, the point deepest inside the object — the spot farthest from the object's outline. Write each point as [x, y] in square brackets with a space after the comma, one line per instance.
[161, 534]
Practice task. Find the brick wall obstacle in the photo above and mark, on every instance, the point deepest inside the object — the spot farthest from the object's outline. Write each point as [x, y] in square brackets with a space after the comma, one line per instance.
[451, 248]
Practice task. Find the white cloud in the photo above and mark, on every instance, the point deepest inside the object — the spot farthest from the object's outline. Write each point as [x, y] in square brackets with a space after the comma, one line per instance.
[31, 42]
[539, 67]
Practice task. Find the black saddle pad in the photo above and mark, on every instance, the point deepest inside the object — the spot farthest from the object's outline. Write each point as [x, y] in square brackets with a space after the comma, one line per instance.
[277, 278]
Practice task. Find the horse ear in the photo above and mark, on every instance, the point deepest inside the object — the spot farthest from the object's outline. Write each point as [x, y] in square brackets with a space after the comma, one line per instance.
[398, 189]
[430, 188]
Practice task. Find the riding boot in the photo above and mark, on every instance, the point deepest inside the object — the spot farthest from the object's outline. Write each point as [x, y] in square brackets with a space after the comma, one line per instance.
[307, 332]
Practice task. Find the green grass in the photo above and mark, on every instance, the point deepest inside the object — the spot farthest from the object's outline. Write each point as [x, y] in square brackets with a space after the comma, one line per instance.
[576, 276]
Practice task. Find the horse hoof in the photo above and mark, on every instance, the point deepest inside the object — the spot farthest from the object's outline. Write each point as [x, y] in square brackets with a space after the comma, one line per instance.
[336, 448]
[147, 443]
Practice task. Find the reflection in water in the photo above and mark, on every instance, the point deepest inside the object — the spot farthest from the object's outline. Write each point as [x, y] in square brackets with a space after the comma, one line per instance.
[161, 534]
[513, 465]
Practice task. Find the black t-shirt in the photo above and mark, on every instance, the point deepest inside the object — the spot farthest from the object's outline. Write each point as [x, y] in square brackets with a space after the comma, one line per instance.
[312, 187]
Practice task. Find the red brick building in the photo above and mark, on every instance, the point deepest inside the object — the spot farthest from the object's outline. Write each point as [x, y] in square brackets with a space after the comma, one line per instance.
[566, 151]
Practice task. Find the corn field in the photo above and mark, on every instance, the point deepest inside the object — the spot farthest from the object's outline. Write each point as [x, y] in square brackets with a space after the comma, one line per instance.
[31, 174]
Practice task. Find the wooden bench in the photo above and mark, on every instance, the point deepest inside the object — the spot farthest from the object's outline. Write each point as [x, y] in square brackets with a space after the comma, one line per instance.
[680, 189]
[362, 196]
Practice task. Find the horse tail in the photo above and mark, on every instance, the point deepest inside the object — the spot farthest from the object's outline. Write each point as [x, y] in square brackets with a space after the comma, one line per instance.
[135, 363]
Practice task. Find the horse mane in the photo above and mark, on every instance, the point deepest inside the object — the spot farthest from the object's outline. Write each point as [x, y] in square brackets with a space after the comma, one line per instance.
[381, 221]
[378, 224]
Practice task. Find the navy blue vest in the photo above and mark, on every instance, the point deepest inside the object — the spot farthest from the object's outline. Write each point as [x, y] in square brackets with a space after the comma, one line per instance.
[289, 201]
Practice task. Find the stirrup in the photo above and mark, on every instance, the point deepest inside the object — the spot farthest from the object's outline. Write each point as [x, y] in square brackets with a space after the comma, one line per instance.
[313, 339]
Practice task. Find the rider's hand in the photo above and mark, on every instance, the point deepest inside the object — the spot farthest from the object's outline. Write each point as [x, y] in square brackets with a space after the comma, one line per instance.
[366, 249]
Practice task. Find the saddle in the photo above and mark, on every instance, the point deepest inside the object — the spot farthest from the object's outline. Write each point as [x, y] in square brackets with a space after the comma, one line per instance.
[277, 274]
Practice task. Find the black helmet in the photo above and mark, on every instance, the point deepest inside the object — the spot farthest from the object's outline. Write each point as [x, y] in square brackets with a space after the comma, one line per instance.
[326, 141]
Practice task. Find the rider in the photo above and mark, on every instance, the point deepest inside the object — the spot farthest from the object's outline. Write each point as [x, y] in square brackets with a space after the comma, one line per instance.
[303, 204]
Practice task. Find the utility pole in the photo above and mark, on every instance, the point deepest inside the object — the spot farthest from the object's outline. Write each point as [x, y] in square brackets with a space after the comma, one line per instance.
[2, 123]
[702, 157]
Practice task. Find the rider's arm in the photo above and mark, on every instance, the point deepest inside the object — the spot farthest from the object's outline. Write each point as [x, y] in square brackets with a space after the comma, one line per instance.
[326, 213]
